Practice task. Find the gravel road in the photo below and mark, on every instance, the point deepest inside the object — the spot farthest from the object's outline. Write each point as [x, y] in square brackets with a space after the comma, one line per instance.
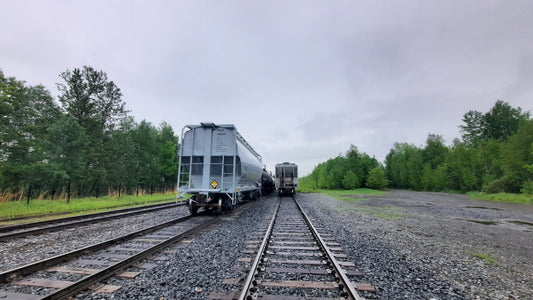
[416, 245]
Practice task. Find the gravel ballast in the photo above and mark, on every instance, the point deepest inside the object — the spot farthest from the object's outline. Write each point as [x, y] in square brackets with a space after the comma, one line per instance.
[408, 245]
[17, 252]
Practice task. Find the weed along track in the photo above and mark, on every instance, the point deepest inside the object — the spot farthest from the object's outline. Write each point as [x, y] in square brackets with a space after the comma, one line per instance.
[67, 274]
[293, 260]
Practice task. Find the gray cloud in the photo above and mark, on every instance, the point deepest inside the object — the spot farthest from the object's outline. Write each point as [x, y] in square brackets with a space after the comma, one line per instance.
[302, 80]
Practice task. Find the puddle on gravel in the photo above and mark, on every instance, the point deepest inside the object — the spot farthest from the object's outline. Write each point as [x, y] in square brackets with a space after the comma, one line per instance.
[520, 223]
[484, 222]
[483, 207]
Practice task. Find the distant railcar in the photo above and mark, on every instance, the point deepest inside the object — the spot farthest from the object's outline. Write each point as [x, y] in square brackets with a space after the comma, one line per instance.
[217, 167]
[286, 178]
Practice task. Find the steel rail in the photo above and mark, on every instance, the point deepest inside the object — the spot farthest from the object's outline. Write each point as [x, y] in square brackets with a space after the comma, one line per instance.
[111, 270]
[347, 284]
[77, 221]
[33, 267]
[258, 258]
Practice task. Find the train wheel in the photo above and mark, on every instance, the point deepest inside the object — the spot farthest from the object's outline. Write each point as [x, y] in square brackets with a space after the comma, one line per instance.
[228, 207]
[219, 207]
[193, 209]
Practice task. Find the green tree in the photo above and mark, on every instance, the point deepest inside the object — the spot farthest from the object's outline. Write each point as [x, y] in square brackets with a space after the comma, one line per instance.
[65, 148]
[461, 168]
[515, 155]
[27, 111]
[488, 162]
[121, 160]
[168, 158]
[146, 151]
[473, 128]
[335, 173]
[376, 179]
[352, 152]
[95, 102]
[499, 123]
[91, 99]
[434, 153]
[322, 175]
[428, 178]
[415, 166]
[404, 166]
[432, 156]
[350, 180]
[529, 167]
[502, 121]
[528, 185]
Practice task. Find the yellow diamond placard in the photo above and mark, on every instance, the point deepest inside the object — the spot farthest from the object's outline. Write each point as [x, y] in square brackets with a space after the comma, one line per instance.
[214, 184]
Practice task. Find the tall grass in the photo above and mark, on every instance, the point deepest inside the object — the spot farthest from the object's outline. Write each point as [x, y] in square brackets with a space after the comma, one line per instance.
[20, 195]
[11, 195]
[502, 197]
[37, 207]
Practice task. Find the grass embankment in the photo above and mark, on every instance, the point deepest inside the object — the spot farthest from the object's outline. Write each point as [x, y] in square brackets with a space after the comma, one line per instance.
[502, 197]
[15, 209]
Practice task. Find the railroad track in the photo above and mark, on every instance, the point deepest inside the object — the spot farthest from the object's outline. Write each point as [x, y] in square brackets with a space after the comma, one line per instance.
[294, 261]
[33, 228]
[109, 257]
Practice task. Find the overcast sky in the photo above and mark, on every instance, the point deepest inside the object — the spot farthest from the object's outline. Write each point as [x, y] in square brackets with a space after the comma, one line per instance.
[301, 80]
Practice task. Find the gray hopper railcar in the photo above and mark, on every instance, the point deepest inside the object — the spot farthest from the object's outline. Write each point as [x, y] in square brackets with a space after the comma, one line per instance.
[286, 178]
[217, 167]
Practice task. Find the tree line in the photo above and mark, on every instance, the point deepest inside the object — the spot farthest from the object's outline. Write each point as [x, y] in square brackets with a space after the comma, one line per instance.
[350, 171]
[494, 154]
[84, 144]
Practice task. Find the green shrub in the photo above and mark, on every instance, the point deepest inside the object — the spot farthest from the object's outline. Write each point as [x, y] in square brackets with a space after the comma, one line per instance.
[528, 188]
[376, 179]
[495, 186]
[502, 197]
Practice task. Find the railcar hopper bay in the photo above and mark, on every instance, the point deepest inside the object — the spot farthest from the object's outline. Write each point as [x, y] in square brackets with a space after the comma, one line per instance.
[402, 244]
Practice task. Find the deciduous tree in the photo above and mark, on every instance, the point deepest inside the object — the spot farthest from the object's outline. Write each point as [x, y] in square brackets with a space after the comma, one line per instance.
[376, 179]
